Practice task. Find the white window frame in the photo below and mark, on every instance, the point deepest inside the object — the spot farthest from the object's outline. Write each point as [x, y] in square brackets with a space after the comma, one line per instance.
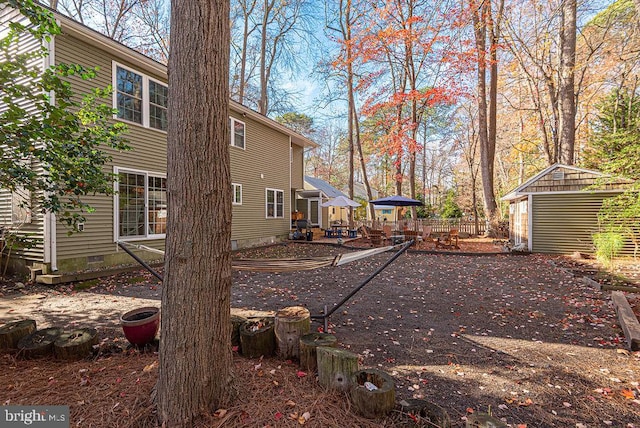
[275, 203]
[234, 186]
[116, 205]
[146, 110]
[232, 142]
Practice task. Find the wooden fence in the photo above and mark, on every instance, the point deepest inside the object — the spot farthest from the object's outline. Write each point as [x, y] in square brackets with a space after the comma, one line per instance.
[438, 225]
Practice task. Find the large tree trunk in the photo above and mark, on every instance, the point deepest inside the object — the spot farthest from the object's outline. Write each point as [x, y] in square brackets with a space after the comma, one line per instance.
[195, 351]
[566, 97]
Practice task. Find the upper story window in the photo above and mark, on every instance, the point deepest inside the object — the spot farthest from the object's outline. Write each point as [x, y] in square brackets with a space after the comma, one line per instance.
[237, 132]
[275, 203]
[139, 99]
[236, 194]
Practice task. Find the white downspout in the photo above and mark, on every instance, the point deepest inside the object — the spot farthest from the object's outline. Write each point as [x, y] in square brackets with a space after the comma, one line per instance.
[50, 249]
[530, 223]
[291, 195]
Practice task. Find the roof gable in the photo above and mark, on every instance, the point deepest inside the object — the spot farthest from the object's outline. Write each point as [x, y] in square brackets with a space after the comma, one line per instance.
[564, 178]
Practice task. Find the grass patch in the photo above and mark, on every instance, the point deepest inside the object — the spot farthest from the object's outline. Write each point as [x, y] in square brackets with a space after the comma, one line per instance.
[84, 285]
[136, 280]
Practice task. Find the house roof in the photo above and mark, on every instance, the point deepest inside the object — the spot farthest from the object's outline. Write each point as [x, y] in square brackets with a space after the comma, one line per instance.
[326, 188]
[149, 65]
[521, 190]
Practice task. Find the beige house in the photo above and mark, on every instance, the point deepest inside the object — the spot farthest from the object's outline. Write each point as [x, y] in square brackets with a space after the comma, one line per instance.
[556, 210]
[266, 164]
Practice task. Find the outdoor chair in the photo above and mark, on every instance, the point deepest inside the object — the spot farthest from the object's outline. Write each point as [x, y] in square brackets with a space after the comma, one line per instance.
[376, 237]
[450, 240]
[426, 235]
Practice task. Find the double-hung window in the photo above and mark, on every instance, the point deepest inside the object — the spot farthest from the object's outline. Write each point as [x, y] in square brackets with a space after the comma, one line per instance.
[139, 99]
[237, 132]
[236, 194]
[275, 203]
[141, 205]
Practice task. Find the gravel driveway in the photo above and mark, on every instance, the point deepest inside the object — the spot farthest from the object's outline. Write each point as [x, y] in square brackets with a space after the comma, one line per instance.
[511, 335]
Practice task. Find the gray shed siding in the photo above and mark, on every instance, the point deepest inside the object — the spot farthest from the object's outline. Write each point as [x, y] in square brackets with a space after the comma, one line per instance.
[564, 223]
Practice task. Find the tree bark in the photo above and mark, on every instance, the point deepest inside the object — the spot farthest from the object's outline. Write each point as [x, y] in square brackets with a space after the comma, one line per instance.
[195, 372]
[567, 98]
[291, 324]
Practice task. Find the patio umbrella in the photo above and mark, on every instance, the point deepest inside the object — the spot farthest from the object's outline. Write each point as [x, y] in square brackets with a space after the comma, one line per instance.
[397, 201]
[340, 201]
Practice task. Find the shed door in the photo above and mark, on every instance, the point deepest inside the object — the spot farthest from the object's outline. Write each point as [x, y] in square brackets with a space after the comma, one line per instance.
[564, 223]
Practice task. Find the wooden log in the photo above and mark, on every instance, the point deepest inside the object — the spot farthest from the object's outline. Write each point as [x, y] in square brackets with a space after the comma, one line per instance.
[39, 343]
[76, 344]
[257, 338]
[424, 413]
[309, 344]
[11, 333]
[335, 367]
[373, 393]
[628, 321]
[290, 325]
[236, 323]
[483, 420]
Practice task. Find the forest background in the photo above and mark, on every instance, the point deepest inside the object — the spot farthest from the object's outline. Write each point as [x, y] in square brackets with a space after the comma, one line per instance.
[439, 100]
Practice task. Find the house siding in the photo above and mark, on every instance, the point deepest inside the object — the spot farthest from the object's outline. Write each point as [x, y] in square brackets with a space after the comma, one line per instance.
[35, 228]
[148, 153]
[256, 169]
[297, 167]
[564, 223]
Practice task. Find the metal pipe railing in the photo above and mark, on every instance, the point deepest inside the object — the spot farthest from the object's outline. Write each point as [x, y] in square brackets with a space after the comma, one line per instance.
[325, 316]
[139, 260]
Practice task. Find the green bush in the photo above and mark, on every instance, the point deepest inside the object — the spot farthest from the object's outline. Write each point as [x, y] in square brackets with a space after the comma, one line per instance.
[608, 245]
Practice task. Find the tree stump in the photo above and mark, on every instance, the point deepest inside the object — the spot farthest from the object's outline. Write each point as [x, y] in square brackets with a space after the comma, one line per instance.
[424, 413]
[257, 338]
[335, 367]
[236, 322]
[308, 348]
[373, 393]
[291, 324]
[483, 420]
[76, 344]
[11, 333]
[39, 343]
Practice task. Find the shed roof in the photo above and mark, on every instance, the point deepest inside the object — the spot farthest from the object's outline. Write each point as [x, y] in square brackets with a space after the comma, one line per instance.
[560, 178]
[326, 188]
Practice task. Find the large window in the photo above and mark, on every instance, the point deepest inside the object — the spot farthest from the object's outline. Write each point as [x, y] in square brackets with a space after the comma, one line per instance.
[139, 99]
[141, 204]
[237, 132]
[275, 203]
[236, 194]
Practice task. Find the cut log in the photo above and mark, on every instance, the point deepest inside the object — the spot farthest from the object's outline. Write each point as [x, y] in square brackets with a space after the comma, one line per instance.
[76, 344]
[39, 343]
[423, 413]
[335, 367]
[309, 344]
[628, 321]
[257, 338]
[373, 393]
[11, 333]
[236, 322]
[290, 325]
[483, 420]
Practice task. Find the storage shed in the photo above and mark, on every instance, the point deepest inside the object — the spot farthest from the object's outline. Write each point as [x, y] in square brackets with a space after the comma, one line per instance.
[556, 210]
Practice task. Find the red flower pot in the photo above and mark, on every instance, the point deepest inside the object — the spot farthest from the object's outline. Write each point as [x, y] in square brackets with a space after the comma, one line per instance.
[141, 325]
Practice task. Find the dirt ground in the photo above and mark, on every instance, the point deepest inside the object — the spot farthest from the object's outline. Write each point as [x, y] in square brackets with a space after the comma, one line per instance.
[518, 336]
